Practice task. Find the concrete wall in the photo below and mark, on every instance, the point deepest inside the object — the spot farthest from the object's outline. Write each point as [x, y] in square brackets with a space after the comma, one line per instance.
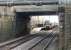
[67, 27]
[65, 35]
[6, 28]
[12, 24]
[7, 24]
[22, 24]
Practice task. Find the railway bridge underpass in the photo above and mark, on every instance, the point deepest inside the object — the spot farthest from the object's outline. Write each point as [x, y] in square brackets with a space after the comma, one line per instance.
[24, 26]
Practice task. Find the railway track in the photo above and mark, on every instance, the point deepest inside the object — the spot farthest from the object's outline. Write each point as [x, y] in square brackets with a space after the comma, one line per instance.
[16, 42]
[31, 42]
[42, 45]
[37, 43]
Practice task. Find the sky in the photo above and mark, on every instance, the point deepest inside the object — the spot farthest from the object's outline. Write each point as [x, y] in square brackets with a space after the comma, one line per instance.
[52, 18]
[42, 19]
